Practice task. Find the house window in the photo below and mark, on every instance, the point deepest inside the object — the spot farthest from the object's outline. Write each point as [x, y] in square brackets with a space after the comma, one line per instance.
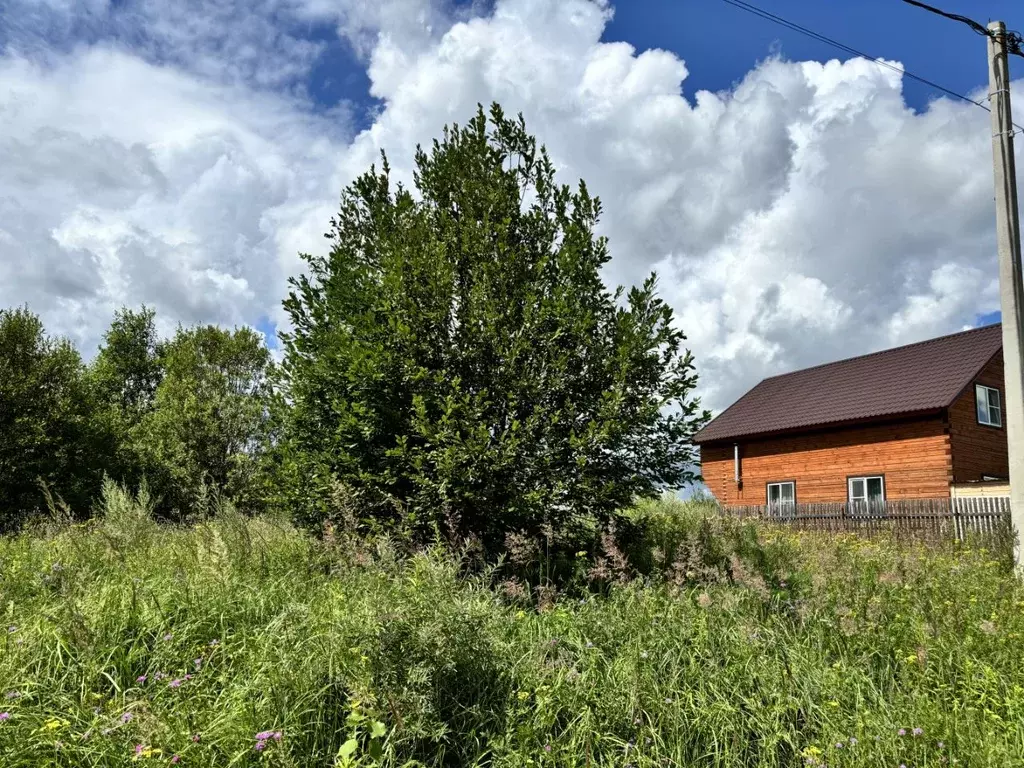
[782, 496]
[868, 490]
[990, 409]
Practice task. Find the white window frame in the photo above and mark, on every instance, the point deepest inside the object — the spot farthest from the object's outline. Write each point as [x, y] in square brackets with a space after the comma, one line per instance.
[782, 506]
[990, 409]
[865, 499]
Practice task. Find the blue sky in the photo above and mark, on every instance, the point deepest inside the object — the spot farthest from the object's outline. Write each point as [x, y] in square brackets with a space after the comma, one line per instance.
[932, 47]
[182, 154]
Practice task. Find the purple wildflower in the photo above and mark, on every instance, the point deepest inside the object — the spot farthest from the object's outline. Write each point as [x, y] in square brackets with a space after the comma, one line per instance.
[264, 735]
[140, 679]
[126, 717]
[902, 732]
[198, 663]
[188, 676]
[138, 749]
[175, 759]
[175, 683]
[260, 746]
[195, 739]
[278, 735]
[547, 747]
[5, 716]
[917, 731]
[159, 676]
[840, 745]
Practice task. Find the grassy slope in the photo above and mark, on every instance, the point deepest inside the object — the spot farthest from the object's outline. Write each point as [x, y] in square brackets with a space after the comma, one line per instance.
[815, 644]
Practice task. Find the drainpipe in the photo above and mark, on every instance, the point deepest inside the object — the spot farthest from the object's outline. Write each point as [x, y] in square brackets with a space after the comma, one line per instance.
[736, 463]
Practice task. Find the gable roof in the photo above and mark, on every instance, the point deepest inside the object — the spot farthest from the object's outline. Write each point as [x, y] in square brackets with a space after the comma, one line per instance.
[925, 376]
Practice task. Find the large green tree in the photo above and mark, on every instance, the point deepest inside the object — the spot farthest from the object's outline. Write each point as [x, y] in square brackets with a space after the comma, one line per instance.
[457, 359]
[47, 433]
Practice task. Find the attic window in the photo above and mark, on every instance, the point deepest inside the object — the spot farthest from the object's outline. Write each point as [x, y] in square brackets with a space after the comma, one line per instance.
[989, 405]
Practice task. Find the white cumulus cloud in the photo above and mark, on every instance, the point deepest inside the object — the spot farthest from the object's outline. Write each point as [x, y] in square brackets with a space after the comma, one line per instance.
[804, 215]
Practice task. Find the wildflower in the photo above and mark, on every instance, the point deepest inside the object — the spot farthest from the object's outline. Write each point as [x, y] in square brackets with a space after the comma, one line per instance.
[260, 746]
[12, 629]
[169, 636]
[589, 644]
[198, 663]
[853, 741]
[12, 695]
[941, 745]
[126, 717]
[195, 739]
[278, 735]
[175, 759]
[643, 654]
[214, 643]
[704, 600]
[840, 745]
[188, 676]
[175, 683]
[5, 715]
[264, 736]
[917, 731]
[138, 749]
[902, 732]
[668, 700]
[547, 747]
[159, 676]
[140, 679]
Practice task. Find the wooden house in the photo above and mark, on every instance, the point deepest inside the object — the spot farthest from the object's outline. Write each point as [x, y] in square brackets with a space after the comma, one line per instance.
[923, 421]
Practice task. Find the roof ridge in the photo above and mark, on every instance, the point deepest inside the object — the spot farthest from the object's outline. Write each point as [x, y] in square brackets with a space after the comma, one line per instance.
[879, 352]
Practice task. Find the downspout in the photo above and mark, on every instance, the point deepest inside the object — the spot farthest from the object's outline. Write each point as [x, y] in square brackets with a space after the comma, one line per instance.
[738, 475]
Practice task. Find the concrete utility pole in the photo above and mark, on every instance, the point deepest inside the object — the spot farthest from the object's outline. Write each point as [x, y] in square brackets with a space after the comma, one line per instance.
[1011, 287]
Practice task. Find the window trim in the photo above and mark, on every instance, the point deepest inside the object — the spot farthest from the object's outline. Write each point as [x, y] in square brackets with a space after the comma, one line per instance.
[977, 416]
[865, 478]
[780, 505]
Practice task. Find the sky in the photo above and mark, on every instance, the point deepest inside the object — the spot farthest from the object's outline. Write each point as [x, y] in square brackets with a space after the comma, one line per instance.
[799, 204]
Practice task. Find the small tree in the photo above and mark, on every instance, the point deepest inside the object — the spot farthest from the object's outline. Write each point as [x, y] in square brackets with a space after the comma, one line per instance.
[47, 433]
[458, 360]
[207, 424]
[123, 378]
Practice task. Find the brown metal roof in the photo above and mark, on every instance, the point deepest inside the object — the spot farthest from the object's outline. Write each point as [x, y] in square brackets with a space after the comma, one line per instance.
[918, 377]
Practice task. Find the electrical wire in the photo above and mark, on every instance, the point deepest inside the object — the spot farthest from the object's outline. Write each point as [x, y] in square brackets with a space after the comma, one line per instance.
[1014, 40]
[843, 47]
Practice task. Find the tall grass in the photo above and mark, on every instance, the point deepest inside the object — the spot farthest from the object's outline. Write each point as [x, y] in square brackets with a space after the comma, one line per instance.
[244, 642]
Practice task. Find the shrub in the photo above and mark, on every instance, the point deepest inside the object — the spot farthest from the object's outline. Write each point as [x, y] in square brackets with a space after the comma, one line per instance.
[457, 358]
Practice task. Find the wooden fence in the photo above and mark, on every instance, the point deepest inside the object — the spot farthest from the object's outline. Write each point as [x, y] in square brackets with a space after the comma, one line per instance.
[957, 519]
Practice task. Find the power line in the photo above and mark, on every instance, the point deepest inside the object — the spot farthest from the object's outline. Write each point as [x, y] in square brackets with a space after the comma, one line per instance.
[1014, 40]
[843, 47]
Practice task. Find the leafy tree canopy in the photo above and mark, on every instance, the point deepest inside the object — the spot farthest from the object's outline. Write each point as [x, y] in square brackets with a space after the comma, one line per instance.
[457, 359]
